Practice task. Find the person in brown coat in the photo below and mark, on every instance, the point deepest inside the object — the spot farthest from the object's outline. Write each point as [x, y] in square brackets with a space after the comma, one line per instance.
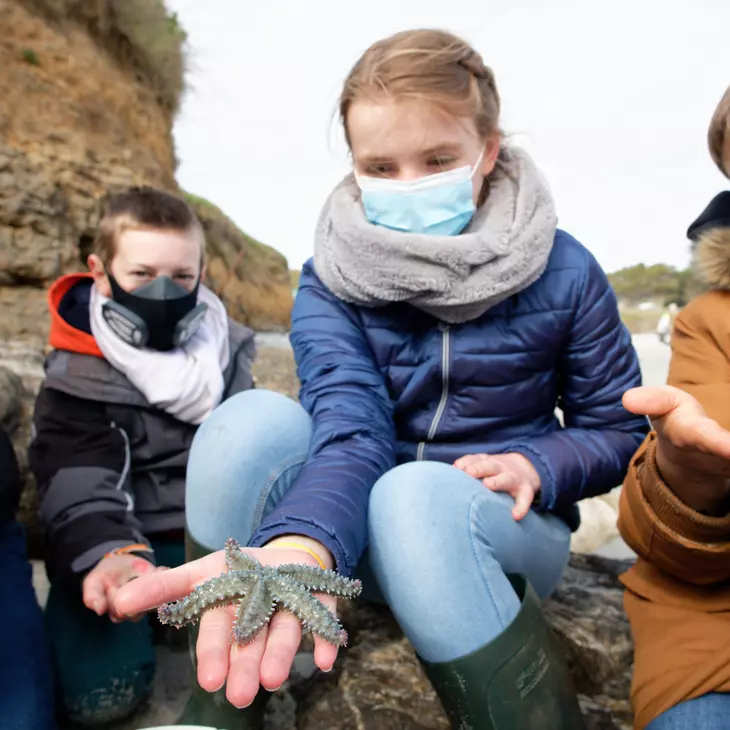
[675, 505]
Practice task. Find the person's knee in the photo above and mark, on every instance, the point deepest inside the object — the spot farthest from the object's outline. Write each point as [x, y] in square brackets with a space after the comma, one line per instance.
[111, 698]
[411, 503]
[250, 423]
[248, 440]
[103, 671]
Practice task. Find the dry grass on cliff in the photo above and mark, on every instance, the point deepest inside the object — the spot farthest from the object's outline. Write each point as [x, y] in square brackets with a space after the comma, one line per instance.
[63, 97]
[138, 34]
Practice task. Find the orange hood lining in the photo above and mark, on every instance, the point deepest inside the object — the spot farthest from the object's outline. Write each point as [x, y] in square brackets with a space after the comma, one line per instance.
[64, 336]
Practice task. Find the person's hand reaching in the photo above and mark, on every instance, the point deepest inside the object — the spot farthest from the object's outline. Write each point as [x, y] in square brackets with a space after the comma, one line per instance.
[267, 660]
[692, 452]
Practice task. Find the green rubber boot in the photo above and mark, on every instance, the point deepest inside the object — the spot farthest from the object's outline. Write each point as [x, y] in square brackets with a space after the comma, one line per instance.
[519, 681]
[211, 710]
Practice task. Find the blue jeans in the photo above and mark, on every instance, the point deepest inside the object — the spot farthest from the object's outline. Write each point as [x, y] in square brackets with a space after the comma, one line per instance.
[26, 681]
[440, 543]
[709, 712]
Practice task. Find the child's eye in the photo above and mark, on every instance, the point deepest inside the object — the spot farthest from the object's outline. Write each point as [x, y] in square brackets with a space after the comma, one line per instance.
[140, 273]
[379, 170]
[441, 162]
[185, 277]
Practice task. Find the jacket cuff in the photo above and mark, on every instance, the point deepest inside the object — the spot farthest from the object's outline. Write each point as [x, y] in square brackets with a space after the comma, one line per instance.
[89, 559]
[547, 489]
[294, 527]
[669, 510]
[78, 546]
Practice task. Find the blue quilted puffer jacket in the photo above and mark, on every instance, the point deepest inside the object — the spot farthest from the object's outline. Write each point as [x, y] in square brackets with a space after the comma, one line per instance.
[390, 385]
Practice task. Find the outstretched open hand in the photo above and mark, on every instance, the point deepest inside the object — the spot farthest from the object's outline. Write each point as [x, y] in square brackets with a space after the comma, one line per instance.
[693, 451]
[266, 660]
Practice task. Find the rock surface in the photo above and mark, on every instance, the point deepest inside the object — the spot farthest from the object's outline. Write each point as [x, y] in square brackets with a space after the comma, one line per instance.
[378, 684]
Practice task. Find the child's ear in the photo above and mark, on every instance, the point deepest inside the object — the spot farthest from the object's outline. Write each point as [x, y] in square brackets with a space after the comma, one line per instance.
[203, 273]
[491, 152]
[98, 272]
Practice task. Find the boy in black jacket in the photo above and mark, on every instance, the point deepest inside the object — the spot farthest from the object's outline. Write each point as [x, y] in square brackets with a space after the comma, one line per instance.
[142, 353]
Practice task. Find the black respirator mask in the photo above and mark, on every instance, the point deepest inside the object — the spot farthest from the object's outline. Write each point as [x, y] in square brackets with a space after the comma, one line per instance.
[160, 315]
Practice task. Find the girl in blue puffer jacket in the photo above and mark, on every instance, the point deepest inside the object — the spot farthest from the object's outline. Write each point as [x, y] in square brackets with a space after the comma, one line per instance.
[443, 319]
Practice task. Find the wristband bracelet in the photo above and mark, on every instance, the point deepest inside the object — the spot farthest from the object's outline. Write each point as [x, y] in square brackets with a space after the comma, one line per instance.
[136, 548]
[299, 546]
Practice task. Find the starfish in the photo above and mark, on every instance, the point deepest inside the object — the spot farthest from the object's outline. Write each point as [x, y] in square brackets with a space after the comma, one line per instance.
[260, 590]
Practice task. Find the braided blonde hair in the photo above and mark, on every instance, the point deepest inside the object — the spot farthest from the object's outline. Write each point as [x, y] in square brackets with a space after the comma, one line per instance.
[433, 66]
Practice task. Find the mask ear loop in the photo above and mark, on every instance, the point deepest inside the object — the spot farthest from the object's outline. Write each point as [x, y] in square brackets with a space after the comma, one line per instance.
[479, 161]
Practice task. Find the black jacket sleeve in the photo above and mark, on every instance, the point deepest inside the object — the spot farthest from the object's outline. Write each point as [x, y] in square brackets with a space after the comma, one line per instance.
[82, 463]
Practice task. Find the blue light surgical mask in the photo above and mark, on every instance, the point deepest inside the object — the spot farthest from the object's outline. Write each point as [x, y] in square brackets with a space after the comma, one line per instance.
[437, 205]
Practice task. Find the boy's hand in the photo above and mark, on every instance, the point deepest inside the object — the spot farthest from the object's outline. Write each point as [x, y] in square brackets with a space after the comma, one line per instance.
[100, 586]
[693, 451]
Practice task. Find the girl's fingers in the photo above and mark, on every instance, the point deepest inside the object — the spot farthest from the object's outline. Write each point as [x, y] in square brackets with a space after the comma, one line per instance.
[470, 459]
[213, 648]
[503, 482]
[484, 468]
[523, 496]
[245, 671]
[325, 653]
[282, 642]
[151, 590]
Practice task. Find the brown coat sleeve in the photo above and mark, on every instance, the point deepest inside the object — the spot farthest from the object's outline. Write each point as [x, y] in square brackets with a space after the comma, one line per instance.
[653, 521]
[665, 532]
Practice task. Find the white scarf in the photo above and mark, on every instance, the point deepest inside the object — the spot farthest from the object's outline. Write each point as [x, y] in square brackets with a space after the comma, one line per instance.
[187, 381]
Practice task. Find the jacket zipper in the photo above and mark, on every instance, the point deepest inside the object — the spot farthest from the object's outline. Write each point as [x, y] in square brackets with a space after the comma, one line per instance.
[445, 372]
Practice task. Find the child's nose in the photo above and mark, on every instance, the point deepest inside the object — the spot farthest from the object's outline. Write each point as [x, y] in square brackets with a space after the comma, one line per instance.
[410, 172]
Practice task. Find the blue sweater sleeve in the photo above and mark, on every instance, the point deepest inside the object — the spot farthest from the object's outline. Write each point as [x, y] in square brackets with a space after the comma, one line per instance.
[353, 441]
[598, 364]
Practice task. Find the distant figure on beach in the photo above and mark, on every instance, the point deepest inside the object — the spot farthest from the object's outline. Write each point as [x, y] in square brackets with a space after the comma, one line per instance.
[442, 320]
[666, 323]
[142, 354]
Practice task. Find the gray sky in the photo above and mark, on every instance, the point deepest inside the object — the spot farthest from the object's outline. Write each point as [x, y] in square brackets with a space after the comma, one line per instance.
[612, 99]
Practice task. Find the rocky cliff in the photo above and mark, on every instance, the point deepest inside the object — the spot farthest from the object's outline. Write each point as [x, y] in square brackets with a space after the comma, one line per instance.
[89, 91]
